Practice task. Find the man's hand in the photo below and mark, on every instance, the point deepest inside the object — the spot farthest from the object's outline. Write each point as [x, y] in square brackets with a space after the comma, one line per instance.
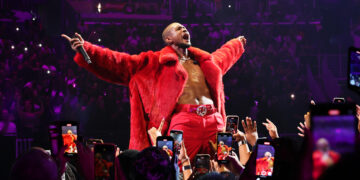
[74, 42]
[301, 128]
[214, 166]
[183, 154]
[154, 133]
[250, 130]
[234, 164]
[239, 136]
[85, 161]
[307, 120]
[270, 126]
[305, 125]
[242, 39]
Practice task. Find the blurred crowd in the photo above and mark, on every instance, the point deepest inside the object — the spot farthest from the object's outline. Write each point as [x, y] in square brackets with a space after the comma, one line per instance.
[39, 85]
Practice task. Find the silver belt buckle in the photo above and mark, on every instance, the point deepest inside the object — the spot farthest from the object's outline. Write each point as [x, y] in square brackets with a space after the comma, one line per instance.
[201, 110]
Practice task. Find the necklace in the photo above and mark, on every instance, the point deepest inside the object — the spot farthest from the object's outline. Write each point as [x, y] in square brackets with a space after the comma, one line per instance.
[183, 59]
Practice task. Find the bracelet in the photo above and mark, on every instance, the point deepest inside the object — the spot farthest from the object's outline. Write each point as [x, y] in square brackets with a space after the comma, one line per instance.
[184, 168]
[242, 142]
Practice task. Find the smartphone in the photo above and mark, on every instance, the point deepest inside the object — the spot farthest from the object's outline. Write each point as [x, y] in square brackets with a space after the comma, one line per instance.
[354, 69]
[265, 158]
[69, 134]
[63, 133]
[334, 131]
[178, 137]
[90, 143]
[166, 143]
[232, 122]
[104, 161]
[202, 163]
[224, 142]
[338, 100]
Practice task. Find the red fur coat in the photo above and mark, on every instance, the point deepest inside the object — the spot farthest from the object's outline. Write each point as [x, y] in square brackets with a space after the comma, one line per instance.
[156, 81]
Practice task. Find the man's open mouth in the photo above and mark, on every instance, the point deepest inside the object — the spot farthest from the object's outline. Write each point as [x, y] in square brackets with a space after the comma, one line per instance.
[186, 36]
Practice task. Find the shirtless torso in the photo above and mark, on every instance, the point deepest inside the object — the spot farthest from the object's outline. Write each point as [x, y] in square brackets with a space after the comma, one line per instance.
[196, 91]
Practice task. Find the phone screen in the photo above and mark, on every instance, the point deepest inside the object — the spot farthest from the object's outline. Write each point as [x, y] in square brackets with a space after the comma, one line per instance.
[69, 136]
[333, 130]
[202, 163]
[354, 68]
[265, 159]
[104, 156]
[178, 136]
[224, 141]
[232, 122]
[166, 144]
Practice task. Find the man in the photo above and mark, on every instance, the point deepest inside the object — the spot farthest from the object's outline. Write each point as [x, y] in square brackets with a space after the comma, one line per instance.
[168, 151]
[264, 165]
[179, 87]
[69, 141]
[323, 157]
[223, 150]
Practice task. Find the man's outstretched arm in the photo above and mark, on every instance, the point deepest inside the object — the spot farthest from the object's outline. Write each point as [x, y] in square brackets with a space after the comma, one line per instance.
[111, 66]
[229, 53]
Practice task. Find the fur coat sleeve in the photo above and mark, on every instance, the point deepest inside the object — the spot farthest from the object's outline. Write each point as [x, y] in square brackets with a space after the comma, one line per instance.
[111, 66]
[228, 54]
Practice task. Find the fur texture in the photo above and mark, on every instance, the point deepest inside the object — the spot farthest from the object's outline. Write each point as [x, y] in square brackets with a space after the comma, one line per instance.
[156, 81]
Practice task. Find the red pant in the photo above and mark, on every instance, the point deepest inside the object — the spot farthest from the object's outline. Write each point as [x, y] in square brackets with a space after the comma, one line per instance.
[197, 130]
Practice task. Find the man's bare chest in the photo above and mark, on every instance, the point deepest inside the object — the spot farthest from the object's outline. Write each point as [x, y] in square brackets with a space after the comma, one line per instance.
[195, 74]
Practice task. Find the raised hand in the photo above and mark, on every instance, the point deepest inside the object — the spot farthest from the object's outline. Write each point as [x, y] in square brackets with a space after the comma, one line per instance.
[75, 42]
[305, 125]
[86, 161]
[154, 133]
[301, 128]
[307, 120]
[239, 136]
[183, 154]
[270, 126]
[242, 39]
[234, 164]
[250, 130]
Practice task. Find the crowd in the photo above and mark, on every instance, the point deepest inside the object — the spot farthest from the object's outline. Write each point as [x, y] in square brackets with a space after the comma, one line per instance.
[279, 160]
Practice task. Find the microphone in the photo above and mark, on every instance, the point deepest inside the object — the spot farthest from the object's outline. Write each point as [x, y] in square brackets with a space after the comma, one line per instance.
[83, 52]
[85, 55]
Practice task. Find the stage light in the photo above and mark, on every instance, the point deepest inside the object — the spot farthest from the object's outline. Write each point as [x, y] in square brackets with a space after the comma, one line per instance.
[12, 47]
[34, 18]
[74, 85]
[17, 29]
[25, 49]
[292, 96]
[99, 40]
[99, 7]
[40, 45]
[229, 6]
[48, 72]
